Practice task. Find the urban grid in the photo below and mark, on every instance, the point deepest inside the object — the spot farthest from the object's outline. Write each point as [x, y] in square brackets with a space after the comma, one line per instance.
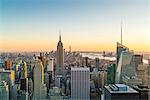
[28, 71]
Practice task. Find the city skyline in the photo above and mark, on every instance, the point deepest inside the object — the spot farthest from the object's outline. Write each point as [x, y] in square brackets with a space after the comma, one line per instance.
[85, 25]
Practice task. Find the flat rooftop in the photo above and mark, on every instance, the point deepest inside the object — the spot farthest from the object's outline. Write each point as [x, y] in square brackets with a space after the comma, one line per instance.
[128, 90]
[79, 69]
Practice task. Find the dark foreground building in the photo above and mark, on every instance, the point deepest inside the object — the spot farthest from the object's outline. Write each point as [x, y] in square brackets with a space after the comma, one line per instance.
[120, 92]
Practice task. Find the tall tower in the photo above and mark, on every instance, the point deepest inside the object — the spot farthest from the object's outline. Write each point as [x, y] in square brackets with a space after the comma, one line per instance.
[40, 89]
[38, 77]
[59, 58]
[23, 78]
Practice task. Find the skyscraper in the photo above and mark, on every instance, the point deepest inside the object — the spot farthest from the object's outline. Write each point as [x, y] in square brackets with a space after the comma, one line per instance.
[80, 84]
[97, 62]
[39, 86]
[4, 91]
[111, 74]
[86, 61]
[23, 77]
[9, 77]
[60, 58]
[142, 73]
[120, 48]
[102, 79]
[8, 64]
[125, 59]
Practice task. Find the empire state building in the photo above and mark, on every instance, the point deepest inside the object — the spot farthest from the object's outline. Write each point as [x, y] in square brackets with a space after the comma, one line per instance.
[59, 58]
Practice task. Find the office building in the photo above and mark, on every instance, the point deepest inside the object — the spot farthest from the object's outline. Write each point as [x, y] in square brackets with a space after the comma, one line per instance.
[30, 88]
[9, 77]
[134, 81]
[142, 73]
[111, 74]
[137, 59]
[102, 79]
[23, 77]
[40, 90]
[59, 58]
[50, 68]
[148, 73]
[8, 64]
[148, 70]
[4, 91]
[47, 79]
[120, 92]
[125, 59]
[80, 84]
[97, 63]
[120, 48]
[86, 61]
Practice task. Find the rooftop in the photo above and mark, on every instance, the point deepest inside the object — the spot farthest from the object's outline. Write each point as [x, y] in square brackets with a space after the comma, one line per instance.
[120, 88]
[79, 69]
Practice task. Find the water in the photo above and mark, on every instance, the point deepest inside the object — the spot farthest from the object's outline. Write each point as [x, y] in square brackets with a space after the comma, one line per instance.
[97, 55]
[100, 56]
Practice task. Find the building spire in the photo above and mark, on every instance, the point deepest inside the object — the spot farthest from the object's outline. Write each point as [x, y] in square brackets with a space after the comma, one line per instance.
[121, 32]
[59, 36]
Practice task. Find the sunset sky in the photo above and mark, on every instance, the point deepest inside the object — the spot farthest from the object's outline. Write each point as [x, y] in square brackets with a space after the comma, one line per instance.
[86, 25]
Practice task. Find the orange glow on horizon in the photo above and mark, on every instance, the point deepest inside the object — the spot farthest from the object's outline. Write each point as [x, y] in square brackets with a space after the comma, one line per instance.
[43, 46]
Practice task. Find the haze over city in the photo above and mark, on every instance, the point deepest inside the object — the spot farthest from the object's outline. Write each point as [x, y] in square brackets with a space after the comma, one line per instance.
[74, 49]
[86, 25]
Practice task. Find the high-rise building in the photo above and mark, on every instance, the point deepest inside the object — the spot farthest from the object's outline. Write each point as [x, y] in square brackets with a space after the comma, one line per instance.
[23, 77]
[47, 79]
[111, 74]
[30, 88]
[4, 91]
[120, 92]
[148, 73]
[97, 62]
[40, 90]
[59, 58]
[124, 60]
[128, 71]
[50, 68]
[80, 84]
[86, 61]
[120, 48]
[142, 73]
[132, 81]
[136, 60]
[131, 68]
[9, 77]
[8, 64]
[102, 79]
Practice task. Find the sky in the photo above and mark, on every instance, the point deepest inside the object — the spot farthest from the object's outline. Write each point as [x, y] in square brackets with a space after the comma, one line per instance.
[86, 25]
